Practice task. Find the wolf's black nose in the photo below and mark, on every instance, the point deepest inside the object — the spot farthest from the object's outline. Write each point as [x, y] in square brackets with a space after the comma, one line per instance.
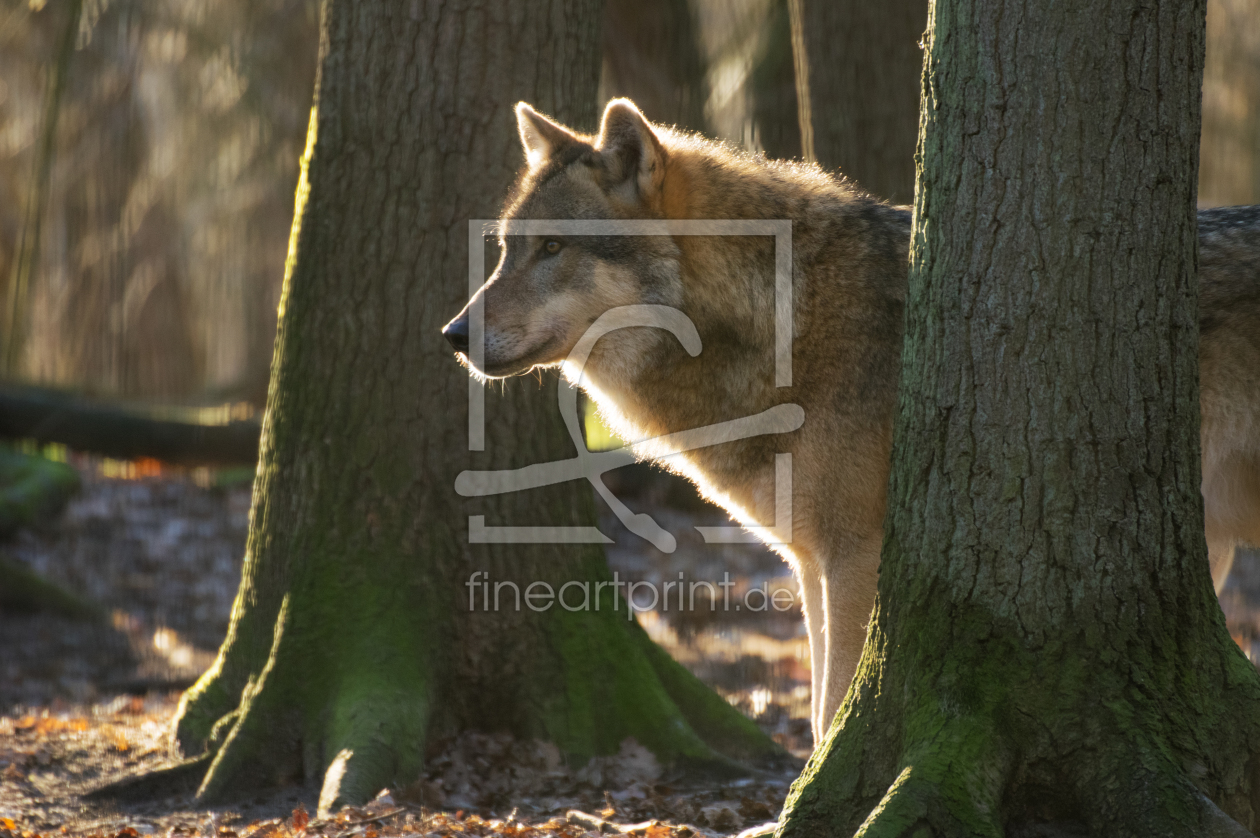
[457, 333]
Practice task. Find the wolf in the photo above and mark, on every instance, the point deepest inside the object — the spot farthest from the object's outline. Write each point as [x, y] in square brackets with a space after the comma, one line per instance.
[849, 264]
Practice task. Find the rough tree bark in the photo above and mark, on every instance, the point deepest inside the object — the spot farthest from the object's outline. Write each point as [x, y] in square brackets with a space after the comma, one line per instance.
[858, 75]
[352, 642]
[1046, 652]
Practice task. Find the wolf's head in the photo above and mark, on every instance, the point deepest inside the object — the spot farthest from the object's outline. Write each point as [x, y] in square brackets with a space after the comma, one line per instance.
[548, 289]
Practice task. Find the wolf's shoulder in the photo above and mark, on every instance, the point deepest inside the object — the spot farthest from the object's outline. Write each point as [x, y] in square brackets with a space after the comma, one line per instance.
[860, 230]
[1229, 264]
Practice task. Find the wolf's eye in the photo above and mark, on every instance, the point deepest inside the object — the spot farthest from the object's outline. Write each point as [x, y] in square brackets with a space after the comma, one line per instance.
[551, 246]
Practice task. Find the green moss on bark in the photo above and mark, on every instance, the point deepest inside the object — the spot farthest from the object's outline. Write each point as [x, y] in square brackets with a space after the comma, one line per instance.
[968, 737]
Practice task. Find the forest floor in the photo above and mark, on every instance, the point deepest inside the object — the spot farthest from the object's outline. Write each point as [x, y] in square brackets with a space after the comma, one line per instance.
[82, 704]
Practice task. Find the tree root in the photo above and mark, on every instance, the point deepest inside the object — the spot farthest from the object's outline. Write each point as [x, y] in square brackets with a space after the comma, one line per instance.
[362, 725]
[1165, 803]
[959, 777]
[359, 729]
[924, 802]
[919, 805]
[1213, 823]
[950, 783]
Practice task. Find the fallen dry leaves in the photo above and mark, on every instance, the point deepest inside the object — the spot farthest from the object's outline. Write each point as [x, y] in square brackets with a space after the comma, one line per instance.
[43, 725]
[478, 785]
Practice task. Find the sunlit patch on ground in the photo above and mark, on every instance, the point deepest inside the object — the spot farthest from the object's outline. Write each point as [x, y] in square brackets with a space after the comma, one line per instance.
[49, 755]
[160, 553]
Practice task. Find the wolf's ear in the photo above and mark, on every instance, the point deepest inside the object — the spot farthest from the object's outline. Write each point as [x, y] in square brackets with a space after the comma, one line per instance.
[630, 147]
[540, 136]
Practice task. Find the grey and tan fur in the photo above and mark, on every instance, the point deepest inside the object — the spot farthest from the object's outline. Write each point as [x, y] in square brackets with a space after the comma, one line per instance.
[849, 265]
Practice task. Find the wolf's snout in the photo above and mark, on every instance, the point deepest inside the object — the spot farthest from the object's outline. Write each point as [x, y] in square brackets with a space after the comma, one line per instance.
[457, 333]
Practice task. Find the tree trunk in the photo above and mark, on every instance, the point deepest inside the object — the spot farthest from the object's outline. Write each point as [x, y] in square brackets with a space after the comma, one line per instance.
[27, 251]
[1046, 652]
[772, 88]
[651, 56]
[352, 642]
[859, 64]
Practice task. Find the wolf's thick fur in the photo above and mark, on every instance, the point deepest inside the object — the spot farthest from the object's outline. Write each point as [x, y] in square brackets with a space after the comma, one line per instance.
[849, 255]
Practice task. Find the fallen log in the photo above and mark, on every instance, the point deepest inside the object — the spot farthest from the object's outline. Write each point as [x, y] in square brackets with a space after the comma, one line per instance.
[183, 436]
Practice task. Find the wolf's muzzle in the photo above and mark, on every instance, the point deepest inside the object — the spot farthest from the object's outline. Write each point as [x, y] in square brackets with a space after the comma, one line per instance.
[457, 333]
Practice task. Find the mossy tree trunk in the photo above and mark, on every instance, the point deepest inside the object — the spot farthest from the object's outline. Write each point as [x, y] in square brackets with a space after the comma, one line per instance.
[859, 65]
[1046, 650]
[352, 642]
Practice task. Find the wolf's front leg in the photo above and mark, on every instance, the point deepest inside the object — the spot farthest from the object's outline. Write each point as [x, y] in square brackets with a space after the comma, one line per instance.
[849, 582]
[814, 609]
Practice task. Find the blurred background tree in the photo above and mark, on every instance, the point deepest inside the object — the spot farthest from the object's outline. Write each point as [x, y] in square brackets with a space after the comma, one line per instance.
[1229, 152]
[859, 67]
[651, 55]
[166, 209]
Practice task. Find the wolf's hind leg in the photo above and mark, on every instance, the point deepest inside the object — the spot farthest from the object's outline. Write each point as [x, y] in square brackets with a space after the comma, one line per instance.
[1231, 508]
[1220, 559]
